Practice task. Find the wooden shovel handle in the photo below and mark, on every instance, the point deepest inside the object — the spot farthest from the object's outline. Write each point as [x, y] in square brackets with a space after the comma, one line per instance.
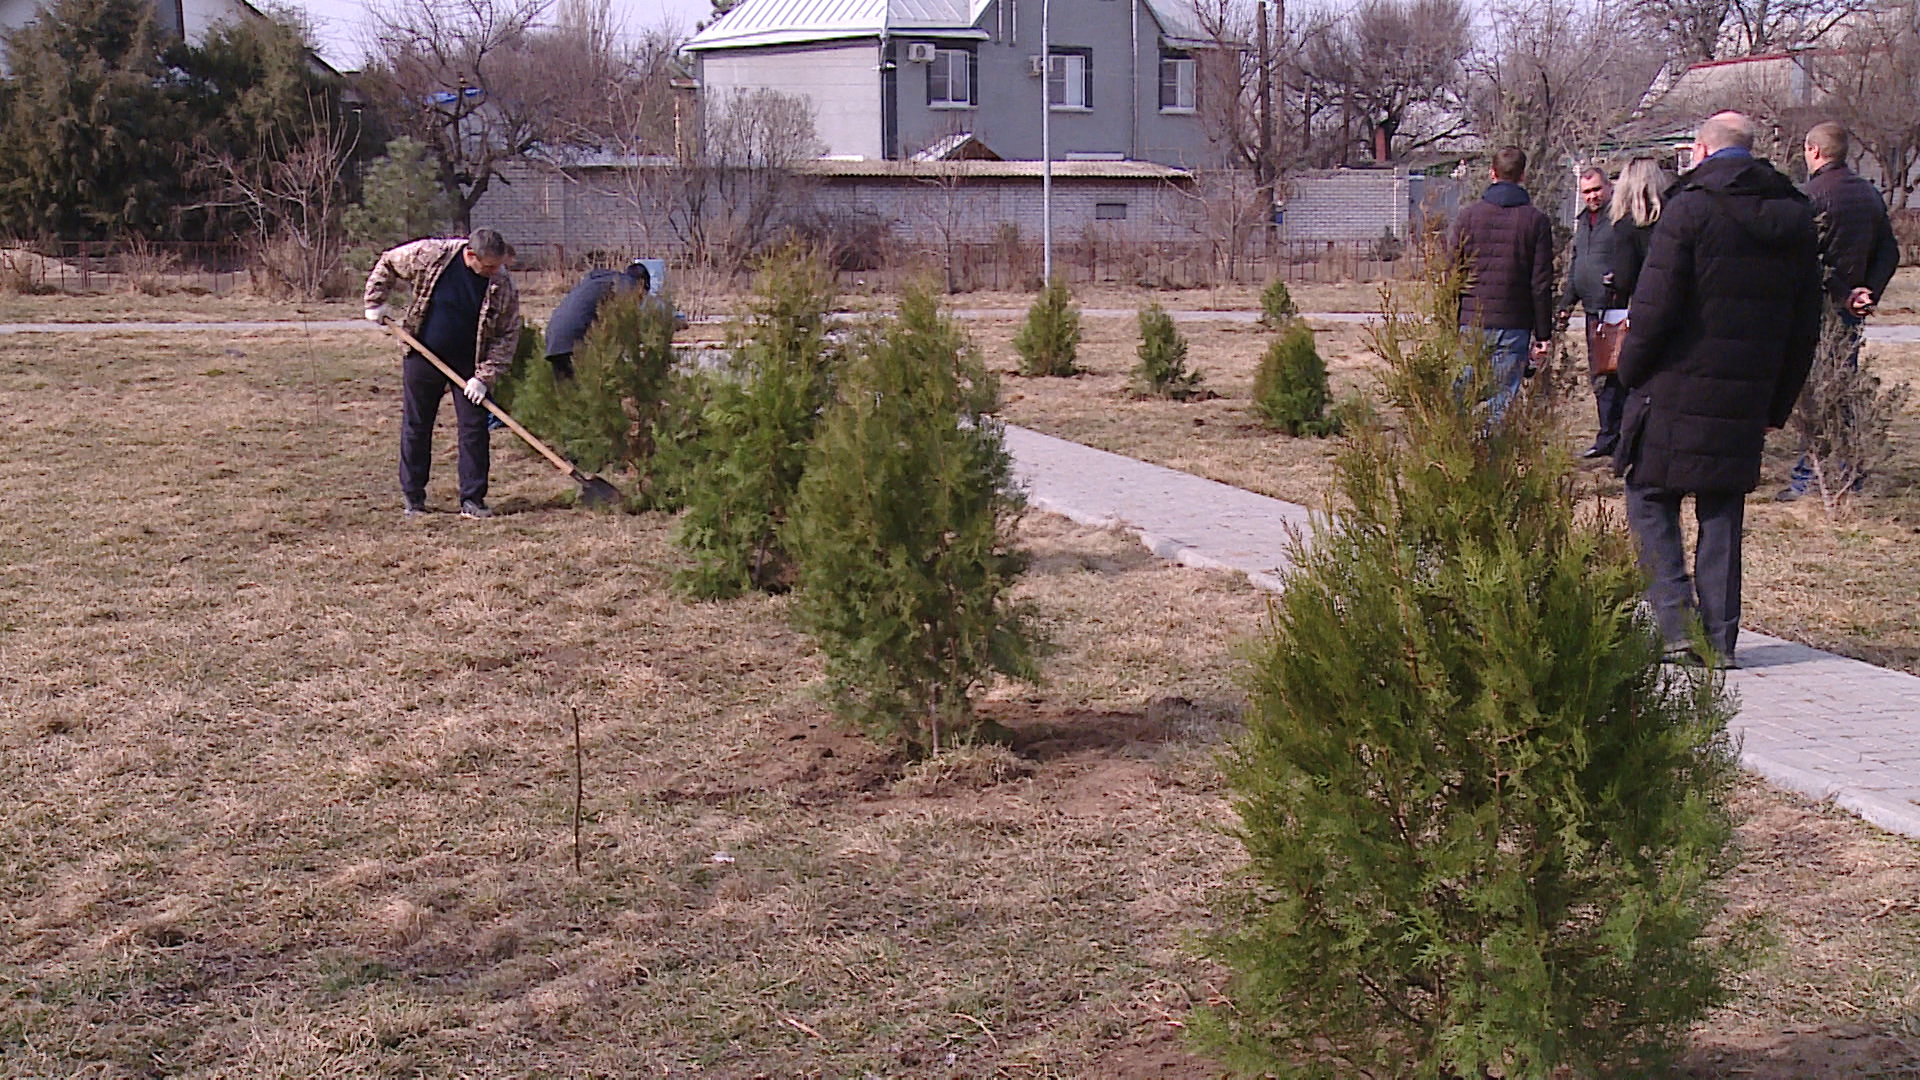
[459, 384]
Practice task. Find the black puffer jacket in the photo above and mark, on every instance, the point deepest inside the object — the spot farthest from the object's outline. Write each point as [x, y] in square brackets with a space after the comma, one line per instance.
[574, 315]
[1857, 246]
[1508, 247]
[1629, 254]
[1723, 327]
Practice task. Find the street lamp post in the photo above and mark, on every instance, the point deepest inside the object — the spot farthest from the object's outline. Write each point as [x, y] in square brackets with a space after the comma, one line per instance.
[1046, 141]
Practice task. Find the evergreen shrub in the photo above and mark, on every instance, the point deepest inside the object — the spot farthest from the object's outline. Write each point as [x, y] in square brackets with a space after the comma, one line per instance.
[401, 199]
[605, 415]
[1049, 341]
[755, 429]
[1485, 827]
[1844, 416]
[1163, 371]
[1290, 387]
[1276, 305]
[902, 531]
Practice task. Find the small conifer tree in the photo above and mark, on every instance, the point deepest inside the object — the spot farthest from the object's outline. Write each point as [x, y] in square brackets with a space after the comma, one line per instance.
[605, 415]
[1484, 823]
[902, 534]
[1049, 341]
[1276, 305]
[401, 199]
[1290, 388]
[755, 432]
[1162, 371]
[1844, 416]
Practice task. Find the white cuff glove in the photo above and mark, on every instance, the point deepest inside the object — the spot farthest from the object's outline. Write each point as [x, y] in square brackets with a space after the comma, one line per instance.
[476, 390]
[375, 314]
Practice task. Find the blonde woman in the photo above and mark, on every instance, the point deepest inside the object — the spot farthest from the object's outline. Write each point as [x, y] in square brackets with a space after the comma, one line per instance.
[1635, 208]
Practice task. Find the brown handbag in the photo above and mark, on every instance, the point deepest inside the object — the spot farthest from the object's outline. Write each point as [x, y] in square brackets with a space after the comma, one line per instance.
[1603, 348]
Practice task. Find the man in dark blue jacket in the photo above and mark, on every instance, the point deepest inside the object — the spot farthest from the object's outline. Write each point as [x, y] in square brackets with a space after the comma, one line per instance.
[575, 315]
[1505, 245]
[1724, 322]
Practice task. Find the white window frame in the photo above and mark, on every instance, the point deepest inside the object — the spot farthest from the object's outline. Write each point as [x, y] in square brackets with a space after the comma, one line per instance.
[1186, 82]
[947, 56]
[1071, 72]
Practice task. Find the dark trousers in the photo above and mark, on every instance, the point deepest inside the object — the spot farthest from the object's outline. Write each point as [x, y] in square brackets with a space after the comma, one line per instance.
[1712, 592]
[422, 386]
[1609, 397]
[1802, 479]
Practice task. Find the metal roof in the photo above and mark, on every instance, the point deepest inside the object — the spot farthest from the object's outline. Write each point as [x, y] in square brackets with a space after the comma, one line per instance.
[782, 22]
[792, 22]
[991, 170]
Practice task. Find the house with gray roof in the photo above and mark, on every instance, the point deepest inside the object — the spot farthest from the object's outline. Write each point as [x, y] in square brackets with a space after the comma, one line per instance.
[896, 80]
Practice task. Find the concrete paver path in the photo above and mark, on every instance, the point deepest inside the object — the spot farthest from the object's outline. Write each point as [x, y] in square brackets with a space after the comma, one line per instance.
[1812, 722]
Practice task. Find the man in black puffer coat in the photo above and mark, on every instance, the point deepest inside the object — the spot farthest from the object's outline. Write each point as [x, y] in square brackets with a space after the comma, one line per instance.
[1725, 318]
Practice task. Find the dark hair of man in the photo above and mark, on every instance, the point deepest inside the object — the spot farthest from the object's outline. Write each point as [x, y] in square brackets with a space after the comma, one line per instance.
[1510, 164]
[1831, 140]
[637, 270]
[1594, 172]
[487, 243]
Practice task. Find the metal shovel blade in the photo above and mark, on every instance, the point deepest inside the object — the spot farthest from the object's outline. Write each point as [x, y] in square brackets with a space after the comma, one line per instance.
[596, 493]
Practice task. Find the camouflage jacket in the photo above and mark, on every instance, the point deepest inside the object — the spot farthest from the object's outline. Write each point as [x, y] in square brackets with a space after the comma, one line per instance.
[420, 263]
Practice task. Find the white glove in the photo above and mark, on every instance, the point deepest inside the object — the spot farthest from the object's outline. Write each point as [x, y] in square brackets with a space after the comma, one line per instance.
[375, 314]
[476, 390]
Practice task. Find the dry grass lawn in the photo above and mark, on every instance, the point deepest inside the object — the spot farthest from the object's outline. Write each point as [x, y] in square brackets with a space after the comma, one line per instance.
[289, 783]
[1844, 585]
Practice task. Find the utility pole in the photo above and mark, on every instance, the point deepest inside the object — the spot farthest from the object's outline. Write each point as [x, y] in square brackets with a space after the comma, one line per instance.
[1046, 142]
[1263, 170]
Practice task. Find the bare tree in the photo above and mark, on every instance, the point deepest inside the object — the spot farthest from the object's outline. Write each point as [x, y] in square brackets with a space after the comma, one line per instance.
[1696, 30]
[292, 197]
[482, 85]
[728, 196]
[1398, 69]
[1874, 87]
[1555, 77]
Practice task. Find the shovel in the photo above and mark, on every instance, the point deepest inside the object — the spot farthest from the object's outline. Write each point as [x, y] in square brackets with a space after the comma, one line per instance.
[593, 490]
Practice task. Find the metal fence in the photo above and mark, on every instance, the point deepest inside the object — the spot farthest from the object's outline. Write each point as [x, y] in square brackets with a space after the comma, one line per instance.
[100, 266]
[1001, 266]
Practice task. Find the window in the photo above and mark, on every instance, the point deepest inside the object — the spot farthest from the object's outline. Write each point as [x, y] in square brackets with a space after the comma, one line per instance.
[950, 79]
[1177, 79]
[1109, 211]
[1070, 79]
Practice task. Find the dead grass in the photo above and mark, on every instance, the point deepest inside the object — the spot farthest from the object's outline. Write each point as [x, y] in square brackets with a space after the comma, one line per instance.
[290, 782]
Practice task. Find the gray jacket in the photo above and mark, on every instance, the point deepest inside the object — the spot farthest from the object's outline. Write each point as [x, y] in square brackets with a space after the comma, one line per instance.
[1588, 261]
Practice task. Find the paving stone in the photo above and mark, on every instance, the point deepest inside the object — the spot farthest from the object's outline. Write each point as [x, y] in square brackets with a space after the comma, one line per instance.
[1815, 723]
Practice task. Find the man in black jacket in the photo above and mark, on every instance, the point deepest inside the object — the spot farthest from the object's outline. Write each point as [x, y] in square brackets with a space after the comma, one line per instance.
[1589, 261]
[1858, 252]
[576, 312]
[1723, 328]
[1506, 245]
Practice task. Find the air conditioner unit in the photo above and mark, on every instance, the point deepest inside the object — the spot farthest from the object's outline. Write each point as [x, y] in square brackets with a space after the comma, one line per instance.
[1036, 65]
[919, 52]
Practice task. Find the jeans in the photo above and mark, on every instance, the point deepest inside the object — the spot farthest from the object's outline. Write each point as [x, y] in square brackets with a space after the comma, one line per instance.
[422, 386]
[1802, 479]
[1508, 359]
[1712, 592]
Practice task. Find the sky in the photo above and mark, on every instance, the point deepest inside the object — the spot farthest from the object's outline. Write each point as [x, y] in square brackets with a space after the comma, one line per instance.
[338, 23]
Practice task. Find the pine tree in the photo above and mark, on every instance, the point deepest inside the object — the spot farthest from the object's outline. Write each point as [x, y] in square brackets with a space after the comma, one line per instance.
[401, 199]
[1276, 305]
[1484, 824]
[1049, 341]
[1162, 371]
[755, 432]
[1290, 391]
[91, 140]
[605, 415]
[902, 533]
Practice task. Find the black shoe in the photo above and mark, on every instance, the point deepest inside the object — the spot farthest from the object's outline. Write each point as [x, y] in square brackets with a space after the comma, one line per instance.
[415, 507]
[474, 510]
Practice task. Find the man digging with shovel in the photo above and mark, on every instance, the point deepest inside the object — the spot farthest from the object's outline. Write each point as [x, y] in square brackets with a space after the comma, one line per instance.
[466, 310]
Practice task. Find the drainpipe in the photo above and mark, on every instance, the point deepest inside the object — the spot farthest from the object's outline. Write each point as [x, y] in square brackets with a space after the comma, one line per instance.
[889, 108]
[1133, 43]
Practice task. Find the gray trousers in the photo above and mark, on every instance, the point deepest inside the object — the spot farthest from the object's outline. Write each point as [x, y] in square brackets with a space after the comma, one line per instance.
[1712, 592]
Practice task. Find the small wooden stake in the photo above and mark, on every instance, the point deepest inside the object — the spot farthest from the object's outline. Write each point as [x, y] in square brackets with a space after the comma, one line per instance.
[576, 790]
